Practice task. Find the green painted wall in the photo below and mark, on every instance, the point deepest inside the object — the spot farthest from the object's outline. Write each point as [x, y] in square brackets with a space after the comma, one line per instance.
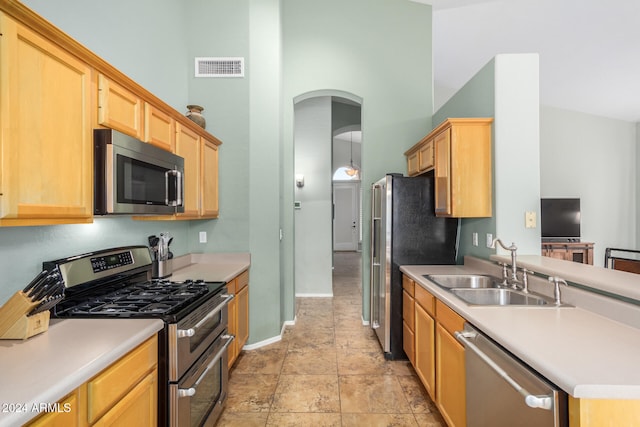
[379, 51]
[507, 90]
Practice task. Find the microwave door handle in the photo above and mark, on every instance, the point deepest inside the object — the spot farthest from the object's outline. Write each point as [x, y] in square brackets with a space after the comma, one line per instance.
[178, 181]
[179, 187]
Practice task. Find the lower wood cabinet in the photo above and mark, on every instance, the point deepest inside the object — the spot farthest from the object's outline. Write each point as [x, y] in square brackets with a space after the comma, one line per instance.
[238, 314]
[408, 319]
[439, 358]
[450, 367]
[124, 394]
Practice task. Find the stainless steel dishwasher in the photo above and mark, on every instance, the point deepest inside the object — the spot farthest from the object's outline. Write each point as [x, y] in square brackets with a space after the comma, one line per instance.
[502, 391]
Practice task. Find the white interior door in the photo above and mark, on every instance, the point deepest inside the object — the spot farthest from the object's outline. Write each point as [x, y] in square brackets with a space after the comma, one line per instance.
[346, 224]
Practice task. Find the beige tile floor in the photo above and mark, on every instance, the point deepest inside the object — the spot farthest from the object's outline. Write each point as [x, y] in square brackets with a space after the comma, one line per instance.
[328, 370]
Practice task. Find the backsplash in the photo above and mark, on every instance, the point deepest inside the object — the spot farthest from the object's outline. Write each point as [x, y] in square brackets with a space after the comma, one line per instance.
[23, 249]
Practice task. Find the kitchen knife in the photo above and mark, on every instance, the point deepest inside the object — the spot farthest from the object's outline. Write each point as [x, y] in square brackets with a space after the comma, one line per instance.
[35, 281]
[43, 287]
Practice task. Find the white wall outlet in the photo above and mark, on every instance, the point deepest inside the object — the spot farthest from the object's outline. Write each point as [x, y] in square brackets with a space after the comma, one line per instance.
[489, 241]
[203, 237]
[475, 239]
[530, 219]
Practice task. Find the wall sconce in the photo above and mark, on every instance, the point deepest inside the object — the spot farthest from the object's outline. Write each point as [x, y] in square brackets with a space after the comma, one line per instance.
[299, 180]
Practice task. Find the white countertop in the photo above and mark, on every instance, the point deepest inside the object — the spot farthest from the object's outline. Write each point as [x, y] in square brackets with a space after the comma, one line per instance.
[47, 367]
[603, 279]
[213, 267]
[585, 354]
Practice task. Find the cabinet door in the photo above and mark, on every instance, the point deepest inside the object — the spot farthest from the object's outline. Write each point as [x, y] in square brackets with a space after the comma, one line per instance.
[243, 318]
[209, 204]
[450, 378]
[159, 128]
[425, 349]
[136, 408]
[413, 164]
[113, 384]
[442, 144]
[118, 108]
[426, 156]
[45, 127]
[188, 147]
[67, 416]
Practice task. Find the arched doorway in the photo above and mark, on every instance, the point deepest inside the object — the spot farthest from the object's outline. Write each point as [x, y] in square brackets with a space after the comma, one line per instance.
[317, 118]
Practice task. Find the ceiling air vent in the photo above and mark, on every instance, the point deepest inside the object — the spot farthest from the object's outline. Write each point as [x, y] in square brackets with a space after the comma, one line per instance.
[219, 67]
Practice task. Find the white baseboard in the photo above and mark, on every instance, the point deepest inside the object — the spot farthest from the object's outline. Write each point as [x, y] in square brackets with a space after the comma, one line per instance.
[263, 343]
[271, 340]
[314, 295]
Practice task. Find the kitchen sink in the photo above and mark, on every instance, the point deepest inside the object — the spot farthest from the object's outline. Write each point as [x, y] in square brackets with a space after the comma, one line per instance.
[450, 281]
[500, 297]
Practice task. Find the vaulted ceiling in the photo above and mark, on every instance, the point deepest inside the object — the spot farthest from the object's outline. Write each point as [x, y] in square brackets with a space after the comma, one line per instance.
[589, 49]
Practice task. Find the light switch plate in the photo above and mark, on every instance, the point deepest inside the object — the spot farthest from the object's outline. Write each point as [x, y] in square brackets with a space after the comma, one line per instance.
[475, 239]
[530, 219]
[203, 237]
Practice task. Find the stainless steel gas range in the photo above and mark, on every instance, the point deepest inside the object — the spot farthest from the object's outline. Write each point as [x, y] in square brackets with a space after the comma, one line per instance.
[192, 347]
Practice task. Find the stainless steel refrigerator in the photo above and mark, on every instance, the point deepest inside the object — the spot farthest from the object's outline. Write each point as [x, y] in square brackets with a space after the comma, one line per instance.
[404, 231]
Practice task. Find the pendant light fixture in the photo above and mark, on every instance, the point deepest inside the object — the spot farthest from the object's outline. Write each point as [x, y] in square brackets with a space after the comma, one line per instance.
[351, 170]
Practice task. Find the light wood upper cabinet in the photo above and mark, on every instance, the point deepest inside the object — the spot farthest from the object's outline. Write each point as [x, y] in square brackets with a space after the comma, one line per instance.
[119, 108]
[459, 153]
[159, 128]
[420, 157]
[209, 207]
[45, 119]
[53, 93]
[463, 168]
[442, 145]
[188, 147]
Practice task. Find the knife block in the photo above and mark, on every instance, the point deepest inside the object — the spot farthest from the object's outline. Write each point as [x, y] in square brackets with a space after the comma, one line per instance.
[15, 322]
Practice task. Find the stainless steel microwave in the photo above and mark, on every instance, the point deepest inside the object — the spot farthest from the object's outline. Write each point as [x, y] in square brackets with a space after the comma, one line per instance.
[132, 177]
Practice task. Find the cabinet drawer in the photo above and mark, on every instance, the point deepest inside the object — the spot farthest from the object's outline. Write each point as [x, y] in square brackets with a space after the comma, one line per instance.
[425, 299]
[113, 383]
[448, 318]
[408, 343]
[242, 280]
[408, 285]
[408, 309]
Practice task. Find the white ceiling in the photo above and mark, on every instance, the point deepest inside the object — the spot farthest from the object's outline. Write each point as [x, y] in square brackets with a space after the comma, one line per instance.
[589, 49]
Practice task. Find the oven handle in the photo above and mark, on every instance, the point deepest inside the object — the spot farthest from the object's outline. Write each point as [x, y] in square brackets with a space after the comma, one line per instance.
[182, 333]
[184, 392]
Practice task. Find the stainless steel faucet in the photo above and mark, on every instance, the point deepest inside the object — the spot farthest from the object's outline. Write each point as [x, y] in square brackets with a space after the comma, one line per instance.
[556, 290]
[513, 248]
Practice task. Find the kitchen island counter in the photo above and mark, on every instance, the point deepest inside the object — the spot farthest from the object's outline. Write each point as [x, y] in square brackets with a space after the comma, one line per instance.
[586, 354]
[45, 368]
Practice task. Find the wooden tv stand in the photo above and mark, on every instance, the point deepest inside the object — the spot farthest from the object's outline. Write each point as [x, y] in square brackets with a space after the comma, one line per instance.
[581, 252]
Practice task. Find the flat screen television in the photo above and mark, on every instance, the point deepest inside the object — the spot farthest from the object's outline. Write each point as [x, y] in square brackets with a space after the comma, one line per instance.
[560, 219]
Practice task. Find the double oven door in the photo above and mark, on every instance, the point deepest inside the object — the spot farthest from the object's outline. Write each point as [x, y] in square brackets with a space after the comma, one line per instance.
[197, 371]
[198, 398]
